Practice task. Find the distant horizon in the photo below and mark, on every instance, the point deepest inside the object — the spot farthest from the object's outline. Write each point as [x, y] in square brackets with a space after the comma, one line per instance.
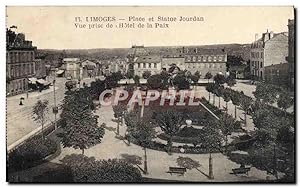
[145, 46]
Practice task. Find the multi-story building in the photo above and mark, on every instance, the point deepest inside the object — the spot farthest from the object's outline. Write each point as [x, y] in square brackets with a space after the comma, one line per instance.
[277, 74]
[40, 68]
[20, 61]
[270, 49]
[171, 60]
[89, 68]
[150, 63]
[205, 60]
[291, 54]
[73, 68]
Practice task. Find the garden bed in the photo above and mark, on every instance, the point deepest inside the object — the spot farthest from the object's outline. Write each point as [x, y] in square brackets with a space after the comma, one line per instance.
[187, 135]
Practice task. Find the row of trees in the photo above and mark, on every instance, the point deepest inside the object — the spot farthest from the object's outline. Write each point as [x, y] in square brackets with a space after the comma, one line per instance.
[273, 149]
[275, 146]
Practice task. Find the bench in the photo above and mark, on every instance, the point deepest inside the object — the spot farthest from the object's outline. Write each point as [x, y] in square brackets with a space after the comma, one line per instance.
[240, 170]
[177, 170]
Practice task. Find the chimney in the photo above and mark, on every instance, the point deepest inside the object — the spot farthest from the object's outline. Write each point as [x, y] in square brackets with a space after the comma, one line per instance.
[256, 36]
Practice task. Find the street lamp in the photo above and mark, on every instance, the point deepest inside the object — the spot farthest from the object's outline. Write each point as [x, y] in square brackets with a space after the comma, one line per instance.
[55, 108]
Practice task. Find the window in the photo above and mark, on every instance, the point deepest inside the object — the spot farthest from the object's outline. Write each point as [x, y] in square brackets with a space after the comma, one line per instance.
[194, 58]
[144, 65]
[215, 58]
[220, 58]
[209, 58]
[261, 64]
[12, 71]
[149, 65]
[23, 69]
[204, 58]
[155, 65]
[262, 55]
[32, 69]
[139, 65]
[200, 58]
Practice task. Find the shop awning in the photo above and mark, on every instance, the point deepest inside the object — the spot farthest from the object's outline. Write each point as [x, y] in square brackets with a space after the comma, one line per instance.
[43, 82]
[60, 71]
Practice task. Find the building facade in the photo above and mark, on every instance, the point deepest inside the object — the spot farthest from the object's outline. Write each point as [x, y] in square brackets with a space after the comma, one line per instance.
[277, 74]
[291, 54]
[270, 49]
[20, 61]
[89, 69]
[205, 60]
[169, 61]
[72, 68]
[151, 63]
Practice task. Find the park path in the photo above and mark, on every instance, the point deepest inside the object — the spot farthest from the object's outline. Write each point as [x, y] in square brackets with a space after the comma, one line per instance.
[159, 161]
[201, 92]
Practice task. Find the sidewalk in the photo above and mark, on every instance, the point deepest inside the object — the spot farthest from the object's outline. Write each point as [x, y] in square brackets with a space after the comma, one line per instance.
[33, 94]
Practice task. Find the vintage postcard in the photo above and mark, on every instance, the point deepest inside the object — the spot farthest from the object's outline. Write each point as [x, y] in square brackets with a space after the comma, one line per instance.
[141, 94]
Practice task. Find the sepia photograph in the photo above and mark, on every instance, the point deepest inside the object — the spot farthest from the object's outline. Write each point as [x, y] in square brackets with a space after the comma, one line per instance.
[150, 94]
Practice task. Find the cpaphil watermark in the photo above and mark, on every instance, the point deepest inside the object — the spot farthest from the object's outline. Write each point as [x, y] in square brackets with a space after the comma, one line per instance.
[161, 98]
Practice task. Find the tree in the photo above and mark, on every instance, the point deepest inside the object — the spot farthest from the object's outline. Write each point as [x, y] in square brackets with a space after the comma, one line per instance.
[227, 125]
[285, 101]
[130, 73]
[230, 81]
[226, 97]
[236, 100]
[87, 169]
[210, 88]
[233, 60]
[136, 79]
[219, 92]
[97, 87]
[146, 74]
[246, 103]
[155, 82]
[170, 122]
[195, 78]
[143, 133]
[266, 92]
[208, 76]
[212, 140]
[181, 81]
[40, 111]
[219, 79]
[119, 112]
[79, 124]
[165, 76]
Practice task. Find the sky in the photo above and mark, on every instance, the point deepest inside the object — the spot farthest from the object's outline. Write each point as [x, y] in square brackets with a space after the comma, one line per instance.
[54, 27]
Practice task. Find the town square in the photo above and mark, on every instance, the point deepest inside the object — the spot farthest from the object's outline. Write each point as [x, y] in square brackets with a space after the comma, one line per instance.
[150, 110]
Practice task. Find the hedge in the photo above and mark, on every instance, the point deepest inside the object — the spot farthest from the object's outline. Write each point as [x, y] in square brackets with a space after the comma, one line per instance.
[31, 153]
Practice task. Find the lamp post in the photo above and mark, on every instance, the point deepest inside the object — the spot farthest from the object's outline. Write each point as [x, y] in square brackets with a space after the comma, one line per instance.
[55, 108]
